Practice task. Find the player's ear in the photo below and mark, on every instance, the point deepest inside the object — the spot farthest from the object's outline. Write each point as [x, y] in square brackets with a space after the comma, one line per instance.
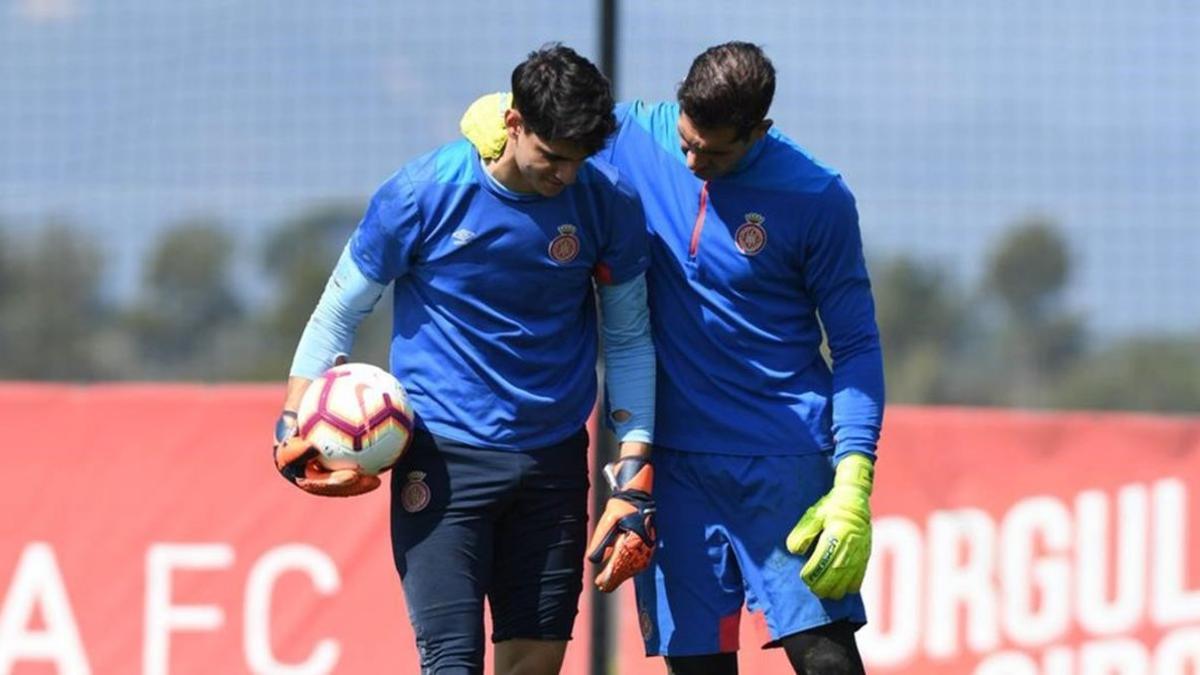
[513, 122]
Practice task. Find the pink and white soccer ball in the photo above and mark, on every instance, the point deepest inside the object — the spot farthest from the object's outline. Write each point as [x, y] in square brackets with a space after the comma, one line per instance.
[357, 415]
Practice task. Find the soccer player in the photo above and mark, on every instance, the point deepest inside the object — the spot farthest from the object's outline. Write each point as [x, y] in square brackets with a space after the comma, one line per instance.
[764, 455]
[495, 338]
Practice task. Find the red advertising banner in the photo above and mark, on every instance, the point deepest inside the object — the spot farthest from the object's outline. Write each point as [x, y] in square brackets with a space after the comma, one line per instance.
[145, 531]
[1019, 543]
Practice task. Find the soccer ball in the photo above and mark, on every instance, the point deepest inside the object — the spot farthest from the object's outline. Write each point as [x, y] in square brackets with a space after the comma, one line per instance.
[357, 416]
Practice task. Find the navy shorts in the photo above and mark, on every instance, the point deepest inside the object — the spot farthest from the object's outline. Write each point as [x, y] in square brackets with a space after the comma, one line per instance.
[471, 522]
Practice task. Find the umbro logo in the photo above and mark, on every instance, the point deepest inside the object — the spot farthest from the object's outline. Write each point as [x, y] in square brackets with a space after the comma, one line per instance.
[462, 236]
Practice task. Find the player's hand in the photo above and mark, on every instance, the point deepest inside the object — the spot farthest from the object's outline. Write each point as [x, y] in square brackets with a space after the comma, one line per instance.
[483, 124]
[624, 538]
[840, 524]
[300, 463]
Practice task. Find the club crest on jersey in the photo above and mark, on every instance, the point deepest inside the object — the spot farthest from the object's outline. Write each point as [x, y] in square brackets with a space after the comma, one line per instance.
[415, 494]
[565, 246]
[751, 237]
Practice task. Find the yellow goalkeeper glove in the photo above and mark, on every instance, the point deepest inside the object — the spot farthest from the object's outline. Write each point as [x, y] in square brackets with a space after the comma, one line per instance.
[483, 124]
[840, 524]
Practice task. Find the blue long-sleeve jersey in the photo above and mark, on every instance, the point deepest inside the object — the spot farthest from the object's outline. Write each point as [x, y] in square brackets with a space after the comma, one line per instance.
[744, 271]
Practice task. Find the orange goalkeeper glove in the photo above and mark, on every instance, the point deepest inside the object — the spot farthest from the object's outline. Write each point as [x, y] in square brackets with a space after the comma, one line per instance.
[300, 463]
[624, 538]
[840, 524]
[483, 124]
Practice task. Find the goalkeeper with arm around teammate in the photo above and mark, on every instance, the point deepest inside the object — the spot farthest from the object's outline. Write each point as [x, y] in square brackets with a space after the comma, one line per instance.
[495, 263]
[765, 456]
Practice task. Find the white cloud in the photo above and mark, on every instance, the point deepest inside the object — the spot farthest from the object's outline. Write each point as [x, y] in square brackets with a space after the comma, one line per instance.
[48, 10]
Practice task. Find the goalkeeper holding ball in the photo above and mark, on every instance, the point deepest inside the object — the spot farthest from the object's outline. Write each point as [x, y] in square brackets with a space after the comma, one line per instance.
[764, 455]
[495, 339]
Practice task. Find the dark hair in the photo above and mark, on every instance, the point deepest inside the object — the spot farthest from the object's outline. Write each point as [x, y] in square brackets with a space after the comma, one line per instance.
[564, 97]
[729, 85]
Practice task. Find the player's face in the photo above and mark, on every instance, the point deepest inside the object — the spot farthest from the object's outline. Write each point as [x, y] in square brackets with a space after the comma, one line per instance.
[714, 152]
[548, 167]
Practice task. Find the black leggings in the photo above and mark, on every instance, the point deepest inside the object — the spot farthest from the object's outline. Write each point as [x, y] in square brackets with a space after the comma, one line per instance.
[824, 650]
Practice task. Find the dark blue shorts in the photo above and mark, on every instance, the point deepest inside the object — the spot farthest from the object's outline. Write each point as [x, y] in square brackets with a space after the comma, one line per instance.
[470, 522]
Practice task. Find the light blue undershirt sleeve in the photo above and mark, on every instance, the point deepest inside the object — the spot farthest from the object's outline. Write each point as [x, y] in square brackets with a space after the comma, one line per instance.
[629, 358]
[348, 298]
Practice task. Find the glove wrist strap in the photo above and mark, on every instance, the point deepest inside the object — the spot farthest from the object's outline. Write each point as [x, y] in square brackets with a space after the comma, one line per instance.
[286, 426]
[857, 471]
[630, 473]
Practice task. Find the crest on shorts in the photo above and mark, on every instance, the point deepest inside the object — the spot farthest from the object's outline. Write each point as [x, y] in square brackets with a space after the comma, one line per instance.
[751, 237]
[565, 246]
[415, 494]
[645, 623]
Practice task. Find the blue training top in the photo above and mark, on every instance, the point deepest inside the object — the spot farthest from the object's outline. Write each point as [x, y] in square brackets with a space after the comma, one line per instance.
[494, 331]
[741, 268]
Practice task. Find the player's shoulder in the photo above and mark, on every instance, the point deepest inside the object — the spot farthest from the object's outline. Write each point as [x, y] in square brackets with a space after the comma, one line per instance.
[785, 166]
[660, 119]
[600, 175]
[642, 130]
[449, 164]
[644, 110]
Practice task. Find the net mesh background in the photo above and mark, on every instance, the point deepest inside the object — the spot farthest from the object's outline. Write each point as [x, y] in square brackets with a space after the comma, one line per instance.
[951, 121]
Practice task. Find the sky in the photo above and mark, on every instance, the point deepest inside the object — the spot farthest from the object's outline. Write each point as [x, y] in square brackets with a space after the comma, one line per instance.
[951, 121]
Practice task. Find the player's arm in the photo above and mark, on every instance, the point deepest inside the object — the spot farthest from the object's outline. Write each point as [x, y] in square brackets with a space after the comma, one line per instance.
[840, 522]
[624, 537]
[836, 271]
[629, 364]
[379, 251]
[349, 296]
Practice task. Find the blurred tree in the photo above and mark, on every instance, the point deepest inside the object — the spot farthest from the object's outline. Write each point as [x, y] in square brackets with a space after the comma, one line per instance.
[299, 257]
[1013, 343]
[7, 274]
[187, 303]
[921, 323]
[52, 308]
[1144, 373]
[6, 262]
[1036, 338]
[1029, 268]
